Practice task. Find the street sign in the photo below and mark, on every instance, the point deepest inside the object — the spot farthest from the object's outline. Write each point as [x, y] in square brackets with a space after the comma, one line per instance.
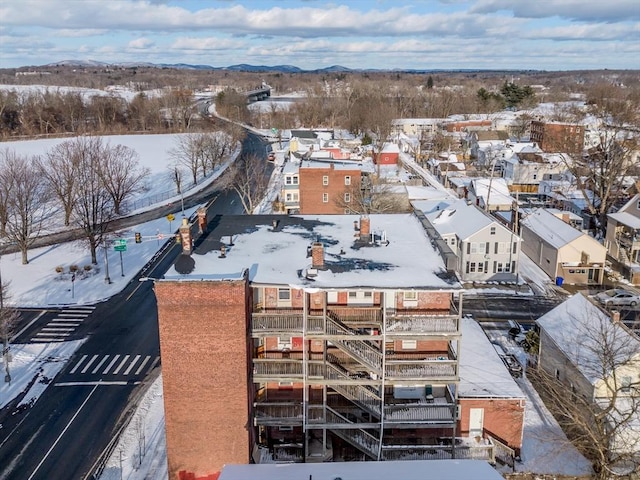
[120, 245]
[171, 217]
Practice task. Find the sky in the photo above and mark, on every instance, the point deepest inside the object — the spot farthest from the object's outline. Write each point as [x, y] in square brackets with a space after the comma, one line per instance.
[382, 34]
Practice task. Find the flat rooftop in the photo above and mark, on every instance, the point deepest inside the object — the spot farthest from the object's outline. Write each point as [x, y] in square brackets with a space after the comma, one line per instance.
[397, 254]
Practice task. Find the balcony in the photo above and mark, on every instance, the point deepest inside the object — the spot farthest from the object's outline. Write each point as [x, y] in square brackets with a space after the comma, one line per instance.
[429, 370]
[275, 414]
[465, 449]
[277, 369]
[404, 323]
[435, 413]
[286, 322]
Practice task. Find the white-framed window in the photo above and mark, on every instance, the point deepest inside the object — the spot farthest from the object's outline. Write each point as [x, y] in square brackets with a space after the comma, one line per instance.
[347, 197]
[493, 230]
[472, 267]
[480, 267]
[360, 297]
[347, 179]
[295, 197]
[289, 197]
[284, 297]
[295, 179]
[409, 344]
[288, 180]
[284, 343]
[410, 295]
[325, 180]
[452, 241]
[478, 247]
[325, 198]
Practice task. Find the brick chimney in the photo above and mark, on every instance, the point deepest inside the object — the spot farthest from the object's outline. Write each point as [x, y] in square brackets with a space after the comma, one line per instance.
[565, 217]
[317, 255]
[615, 316]
[365, 227]
[185, 235]
[202, 219]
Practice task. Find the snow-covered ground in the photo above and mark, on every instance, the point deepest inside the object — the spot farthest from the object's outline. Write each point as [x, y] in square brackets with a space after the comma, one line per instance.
[140, 452]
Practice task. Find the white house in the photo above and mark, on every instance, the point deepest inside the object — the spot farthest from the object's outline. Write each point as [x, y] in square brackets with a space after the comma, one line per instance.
[623, 238]
[491, 194]
[485, 249]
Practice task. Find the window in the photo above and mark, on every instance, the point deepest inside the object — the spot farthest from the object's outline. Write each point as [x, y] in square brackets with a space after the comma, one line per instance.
[284, 342]
[295, 197]
[480, 267]
[295, 180]
[478, 247]
[626, 384]
[285, 428]
[284, 294]
[409, 344]
[325, 198]
[410, 295]
[493, 230]
[347, 179]
[347, 197]
[453, 241]
[325, 180]
[472, 267]
[288, 180]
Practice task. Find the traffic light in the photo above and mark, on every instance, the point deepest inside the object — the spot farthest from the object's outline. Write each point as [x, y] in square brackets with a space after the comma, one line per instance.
[138, 237]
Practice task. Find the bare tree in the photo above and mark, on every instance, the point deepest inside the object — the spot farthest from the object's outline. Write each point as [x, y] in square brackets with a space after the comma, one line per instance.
[28, 205]
[176, 174]
[249, 178]
[121, 174]
[599, 410]
[604, 168]
[371, 194]
[93, 208]
[8, 319]
[60, 168]
[187, 152]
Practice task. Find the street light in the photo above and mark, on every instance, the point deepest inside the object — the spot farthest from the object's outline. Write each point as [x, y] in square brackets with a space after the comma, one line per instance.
[5, 334]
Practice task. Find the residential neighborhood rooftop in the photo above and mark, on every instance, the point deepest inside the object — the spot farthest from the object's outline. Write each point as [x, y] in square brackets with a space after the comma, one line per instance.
[275, 249]
[552, 229]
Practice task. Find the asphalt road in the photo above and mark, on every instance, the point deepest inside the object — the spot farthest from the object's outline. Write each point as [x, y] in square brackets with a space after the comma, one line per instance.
[71, 428]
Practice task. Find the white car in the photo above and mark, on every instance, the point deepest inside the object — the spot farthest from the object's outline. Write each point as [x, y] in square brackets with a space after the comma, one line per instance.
[618, 297]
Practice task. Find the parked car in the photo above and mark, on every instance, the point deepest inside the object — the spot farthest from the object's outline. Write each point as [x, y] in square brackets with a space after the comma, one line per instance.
[618, 297]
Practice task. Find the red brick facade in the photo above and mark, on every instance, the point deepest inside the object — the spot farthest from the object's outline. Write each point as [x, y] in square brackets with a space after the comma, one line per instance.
[503, 418]
[322, 190]
[558, 137]
[204, 349]
[462, 126]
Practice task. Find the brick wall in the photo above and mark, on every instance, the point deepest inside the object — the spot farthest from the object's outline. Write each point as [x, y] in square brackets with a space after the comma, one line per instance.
[312, 189]
[204, 348]
[503, 418]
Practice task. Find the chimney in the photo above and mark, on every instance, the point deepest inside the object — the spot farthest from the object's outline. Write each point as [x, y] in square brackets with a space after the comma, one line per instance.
[185, 235]
[615, 316]
[202, 219]
[565, 217]
[317, 255]
[365, 227]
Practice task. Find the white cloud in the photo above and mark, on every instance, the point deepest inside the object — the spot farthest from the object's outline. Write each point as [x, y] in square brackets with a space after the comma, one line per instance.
[140, 43]
[608, 11]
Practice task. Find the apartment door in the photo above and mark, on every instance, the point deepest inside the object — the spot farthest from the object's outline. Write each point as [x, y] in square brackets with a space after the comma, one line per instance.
[476, 420]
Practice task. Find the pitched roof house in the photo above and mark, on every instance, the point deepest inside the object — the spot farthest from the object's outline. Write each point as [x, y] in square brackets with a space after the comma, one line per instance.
[562, 252]
[623, 238]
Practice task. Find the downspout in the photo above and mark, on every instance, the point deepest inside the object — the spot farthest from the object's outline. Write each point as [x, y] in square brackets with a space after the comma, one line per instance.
[384, 374]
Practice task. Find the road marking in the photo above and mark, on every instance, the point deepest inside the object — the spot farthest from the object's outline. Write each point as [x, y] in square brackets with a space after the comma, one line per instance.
[56, 328]
[27, 326]
[144, 362]
[114, 360]
[100, 364]
[64, 323]
[47, 340]
[52, 334]
[115, 372]
[119, 383]
[63, 432]
[86, 367]
[135, 359]
[84, 357]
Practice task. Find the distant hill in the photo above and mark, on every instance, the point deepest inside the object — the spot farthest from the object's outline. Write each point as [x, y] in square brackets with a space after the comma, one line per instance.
[243, 67]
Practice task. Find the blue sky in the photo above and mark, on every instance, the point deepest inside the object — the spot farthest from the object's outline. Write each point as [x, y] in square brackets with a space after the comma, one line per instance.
[445, 34]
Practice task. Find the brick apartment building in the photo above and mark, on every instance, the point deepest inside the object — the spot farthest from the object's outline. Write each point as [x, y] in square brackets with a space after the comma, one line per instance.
[328, 187]
[320, 338]
[553, 137]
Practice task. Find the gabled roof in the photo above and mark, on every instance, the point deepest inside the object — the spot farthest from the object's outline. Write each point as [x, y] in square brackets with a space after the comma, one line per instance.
[581, 330]
[456, 217]
[499, 190]
[626, 218]
[550, 228]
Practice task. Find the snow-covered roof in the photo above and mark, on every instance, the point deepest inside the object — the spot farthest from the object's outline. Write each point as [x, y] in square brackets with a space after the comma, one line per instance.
[499, 190]
[626, 218]
[456, 217]
[550, 228]
[581, 330]
[559, 213]
[405, 470]
[426, 193]
[390, 148]
[280, 256]
[329, 163]
[482, 372]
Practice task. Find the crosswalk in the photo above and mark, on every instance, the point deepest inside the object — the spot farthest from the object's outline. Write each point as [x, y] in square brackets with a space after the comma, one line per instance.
[114, 365]
[63, 324]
